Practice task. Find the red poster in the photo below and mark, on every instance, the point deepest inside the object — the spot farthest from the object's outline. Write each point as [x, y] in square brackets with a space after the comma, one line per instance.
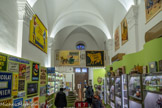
[81, 104]
[22, 71]
[36, 102]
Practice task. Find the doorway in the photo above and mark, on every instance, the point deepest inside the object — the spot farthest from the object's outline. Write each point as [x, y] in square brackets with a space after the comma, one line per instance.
[81, 78]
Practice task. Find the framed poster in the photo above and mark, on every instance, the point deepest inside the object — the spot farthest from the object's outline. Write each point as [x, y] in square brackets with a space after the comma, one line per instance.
[35, 102]
[3, 62]
[13, 67]
[35, 72]
[27, 73]
[28, 103]
[15, 84]
[94, 58]
[21, 85]
[43, 91]
[124, 31]
[32, 88]
[117, 44]
[6, 103]
[21, 94]
[22, 71]
[69, 58]
[43, 74]
[152, 7]
[5, 85]
[38, 34]
[18, 103]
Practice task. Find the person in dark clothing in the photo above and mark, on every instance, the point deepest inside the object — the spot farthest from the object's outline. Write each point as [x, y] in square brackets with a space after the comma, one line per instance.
[60, 100]
[89, 94]
[96, 100]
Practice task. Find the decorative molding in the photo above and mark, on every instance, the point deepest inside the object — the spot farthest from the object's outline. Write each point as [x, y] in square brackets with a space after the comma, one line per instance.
[132, 16]
[25, 11]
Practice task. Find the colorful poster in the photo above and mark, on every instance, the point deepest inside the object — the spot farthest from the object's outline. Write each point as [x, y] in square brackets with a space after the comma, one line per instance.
[22, 71]
[17, 103]
[3, 62]
[35, 72]
[152, 7]
[94, 58]
[124, 31]
[21, 94]
[42, 91]
[70, 58]
[32, 88]
[5, 85]
[6, 103]
[35, 102]
[13, 67]
[15, 85]
[18, 60]
[28, 103]
[117, 44]
[42, 105]
[38, 34]
[43, 74]
[27, 73]
[21, 85]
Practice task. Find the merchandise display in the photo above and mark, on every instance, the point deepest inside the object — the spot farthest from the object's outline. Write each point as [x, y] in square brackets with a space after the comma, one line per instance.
[118, 95]
[124, 78]
[51, 83]
[108, 90]
[112, 91]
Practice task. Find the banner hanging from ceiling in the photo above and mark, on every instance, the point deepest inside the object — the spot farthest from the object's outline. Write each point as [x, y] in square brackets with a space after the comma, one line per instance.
[38, 34]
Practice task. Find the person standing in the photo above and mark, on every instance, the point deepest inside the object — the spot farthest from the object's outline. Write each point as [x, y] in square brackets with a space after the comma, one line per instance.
[89, 94]
[96, 100]
[60, 100]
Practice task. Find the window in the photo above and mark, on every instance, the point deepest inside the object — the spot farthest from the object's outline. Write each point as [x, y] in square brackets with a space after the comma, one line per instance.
[80, 46]
[83, 70]
[77, 70]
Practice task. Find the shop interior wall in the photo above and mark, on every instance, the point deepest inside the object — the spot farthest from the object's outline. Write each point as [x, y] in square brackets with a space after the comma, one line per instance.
[8, 24]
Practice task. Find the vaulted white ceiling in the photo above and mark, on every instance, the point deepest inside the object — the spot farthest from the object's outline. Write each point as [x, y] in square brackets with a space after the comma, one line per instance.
[87, 14]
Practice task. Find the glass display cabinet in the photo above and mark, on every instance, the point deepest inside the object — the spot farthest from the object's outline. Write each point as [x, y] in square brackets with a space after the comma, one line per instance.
[51, 81]
[104, 90]
[135, 90]
[107, 90]
[152, 90]
[118, 103]
[125, 101]
[112, 92]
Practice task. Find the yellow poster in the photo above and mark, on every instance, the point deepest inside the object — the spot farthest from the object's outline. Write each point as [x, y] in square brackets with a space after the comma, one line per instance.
[38, 34]
[69, 58]
[6, 103]
[124, 31]
[117, 45]
[15, 84]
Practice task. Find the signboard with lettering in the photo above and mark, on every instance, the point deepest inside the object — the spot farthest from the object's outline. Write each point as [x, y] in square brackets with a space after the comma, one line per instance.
[13, 67]
[3, 62]
[15, 85]
[43, 76]
[5, 85]
[17, 103]
[81, 104]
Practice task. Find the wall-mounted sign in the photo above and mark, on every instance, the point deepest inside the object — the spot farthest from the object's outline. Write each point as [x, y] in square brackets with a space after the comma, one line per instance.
[28, 103]
[21, 85]
[51, 70]
[43, 74]
[15, 84]
[35, 72]
[6, 103]
[17, 103]
[35, 102]
[38, 34]
[18, 60]
[22, 71]
[43, 91]
[3, 62]
[13, 67]
[5, 85]
[27, 73]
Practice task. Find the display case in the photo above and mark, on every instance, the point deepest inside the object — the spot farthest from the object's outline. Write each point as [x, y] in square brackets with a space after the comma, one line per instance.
[118, 103]
[112, 92]
[125, 101]
[135, 90]
[152, 90]
[51, 83]
[107, 90]
[104, 90]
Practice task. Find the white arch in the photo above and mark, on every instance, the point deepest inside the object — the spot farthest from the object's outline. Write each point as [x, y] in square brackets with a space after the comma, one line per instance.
[80, 18]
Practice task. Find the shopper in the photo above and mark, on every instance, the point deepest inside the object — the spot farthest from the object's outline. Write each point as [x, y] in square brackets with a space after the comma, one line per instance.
[60, 100]
[96, 100]
[89, 94]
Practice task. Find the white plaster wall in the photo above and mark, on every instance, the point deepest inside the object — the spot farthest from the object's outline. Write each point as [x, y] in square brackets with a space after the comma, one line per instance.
[29, 51]
[8, 24]
[70, 43]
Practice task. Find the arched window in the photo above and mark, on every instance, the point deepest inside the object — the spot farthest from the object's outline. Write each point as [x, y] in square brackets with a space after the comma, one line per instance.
[80, 46]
